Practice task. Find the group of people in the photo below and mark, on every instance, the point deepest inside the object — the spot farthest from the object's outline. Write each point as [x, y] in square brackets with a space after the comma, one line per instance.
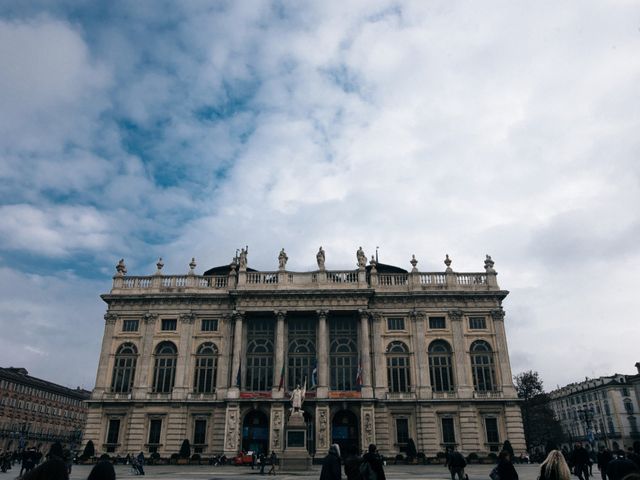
[262, 461]
[368, 467]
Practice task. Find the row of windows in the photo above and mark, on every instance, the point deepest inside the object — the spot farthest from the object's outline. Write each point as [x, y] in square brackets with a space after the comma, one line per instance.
[170, 324]
[27, 390]
[345, 371]
[436, 323]
[35, 407]
[448, 431]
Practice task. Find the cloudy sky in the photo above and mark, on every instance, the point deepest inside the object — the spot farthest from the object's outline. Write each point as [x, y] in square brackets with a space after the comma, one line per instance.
[146, 129]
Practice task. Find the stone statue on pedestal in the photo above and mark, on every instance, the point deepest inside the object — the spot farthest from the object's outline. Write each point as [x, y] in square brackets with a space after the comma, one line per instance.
[282, 260]
[320, 259]
[362, 258]
[297, 399]
[242, 258]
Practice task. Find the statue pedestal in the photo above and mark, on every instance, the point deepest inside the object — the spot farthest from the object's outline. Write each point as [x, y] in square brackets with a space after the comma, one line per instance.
[295, 455]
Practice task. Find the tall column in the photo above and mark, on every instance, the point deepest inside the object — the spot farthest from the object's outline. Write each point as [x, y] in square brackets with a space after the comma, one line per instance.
[183, 384]
[421, 368]
[234, 389]
[144, 377]
[502, 353]
[365, 354]
[279, 356]
[102, 377]
[462, 363]
[323, 355]
[379, 367]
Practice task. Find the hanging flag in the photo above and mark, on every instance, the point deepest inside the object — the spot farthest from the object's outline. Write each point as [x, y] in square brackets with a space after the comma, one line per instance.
[281, 378]
[239, 375]
[314, 375]
[359, 376]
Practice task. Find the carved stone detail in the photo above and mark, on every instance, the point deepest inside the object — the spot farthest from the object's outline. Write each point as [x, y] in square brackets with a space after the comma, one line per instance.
[110, 318]
[187, 317]
[277, 418]
[368, 426]
[455, 314]
[322, 427]
[497, 314]
[149, 318]
[231, 436]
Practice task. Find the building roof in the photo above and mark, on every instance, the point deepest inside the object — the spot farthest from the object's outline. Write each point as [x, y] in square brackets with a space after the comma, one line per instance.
[380, 267]
[21, 375]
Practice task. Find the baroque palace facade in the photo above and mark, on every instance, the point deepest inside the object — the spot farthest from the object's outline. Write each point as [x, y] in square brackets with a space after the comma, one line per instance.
[387, 357]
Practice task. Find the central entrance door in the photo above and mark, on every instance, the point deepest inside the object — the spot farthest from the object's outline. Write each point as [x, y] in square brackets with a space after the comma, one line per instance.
[344, 430]
[255, 432]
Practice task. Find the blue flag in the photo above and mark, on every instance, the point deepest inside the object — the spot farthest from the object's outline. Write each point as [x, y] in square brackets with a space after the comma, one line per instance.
[314, 374]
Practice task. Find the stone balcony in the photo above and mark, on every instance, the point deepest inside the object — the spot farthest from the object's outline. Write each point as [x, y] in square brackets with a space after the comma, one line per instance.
[325, 280]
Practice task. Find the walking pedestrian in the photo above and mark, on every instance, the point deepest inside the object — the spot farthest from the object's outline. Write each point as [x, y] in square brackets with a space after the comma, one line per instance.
[580, 460]
[274, 461]
[102, 471]
[555, 467]
[372, 466]
[53, 469]
[331, 469]
[603, 459]
[456, 464]
[505, 468]
[140, 463]
[620, 467]
[352, 463]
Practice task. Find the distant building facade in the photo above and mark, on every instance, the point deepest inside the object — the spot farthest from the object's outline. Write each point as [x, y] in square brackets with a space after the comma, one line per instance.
[386, 356]
[37, 413]
[599, 411]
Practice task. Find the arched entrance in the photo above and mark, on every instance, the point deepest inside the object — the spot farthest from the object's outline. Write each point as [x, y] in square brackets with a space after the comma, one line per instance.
[255, 432]
[344, 430]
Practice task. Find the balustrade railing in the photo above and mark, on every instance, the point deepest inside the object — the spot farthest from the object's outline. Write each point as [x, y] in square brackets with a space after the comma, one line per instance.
[317, 279]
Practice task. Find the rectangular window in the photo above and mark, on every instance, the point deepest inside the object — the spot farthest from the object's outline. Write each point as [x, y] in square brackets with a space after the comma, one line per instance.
[130, 325]
[437, 322]
[477, 323]
[169, 324]
[402, 432]
[491, 426]
[209, 325]
[448, 431]
[155, 427]
[200, 432]
[114, 430]
[395, 323]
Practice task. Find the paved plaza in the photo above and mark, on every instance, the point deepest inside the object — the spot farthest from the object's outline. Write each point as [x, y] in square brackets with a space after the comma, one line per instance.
[403, 472]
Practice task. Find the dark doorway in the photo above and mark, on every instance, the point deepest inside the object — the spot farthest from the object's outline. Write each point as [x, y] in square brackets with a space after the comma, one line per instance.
[344, 430]
[255, 432]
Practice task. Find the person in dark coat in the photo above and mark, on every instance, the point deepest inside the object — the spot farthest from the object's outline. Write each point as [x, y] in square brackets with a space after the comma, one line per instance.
[375, 463]
[102, 471]
[580, 461]
[456, 464]
[140, 463]
[53, 469]
[352, 463]
[555, 467]
[604, 457]
[620, 468]
[331, 468]
[505, 469]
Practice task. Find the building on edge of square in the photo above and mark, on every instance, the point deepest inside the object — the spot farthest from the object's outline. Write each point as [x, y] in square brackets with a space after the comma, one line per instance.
[387, 356]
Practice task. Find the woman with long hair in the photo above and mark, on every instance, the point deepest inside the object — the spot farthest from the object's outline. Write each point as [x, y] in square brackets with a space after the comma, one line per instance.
[555, 467]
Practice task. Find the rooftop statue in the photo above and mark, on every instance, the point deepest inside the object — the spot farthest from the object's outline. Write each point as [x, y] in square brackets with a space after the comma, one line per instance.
[282, 260]
[320, 259]
[362, 258]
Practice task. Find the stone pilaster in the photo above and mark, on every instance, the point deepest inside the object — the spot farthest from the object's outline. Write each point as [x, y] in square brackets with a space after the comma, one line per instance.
[323, 356]
[365, 354]
[367, 426]
[322, 428]
[514, 428]
[280, 353]
[462, 365]
[423, 389]
[276, 434]
[224, 358]
[102, 377]
[182, 384]
[144, 372]
[232, 430]
[379, 366]
[502, 353]
[234, 389]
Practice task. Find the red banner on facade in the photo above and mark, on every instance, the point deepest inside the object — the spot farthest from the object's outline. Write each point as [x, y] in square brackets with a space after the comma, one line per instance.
[255, 394]
[345, 395]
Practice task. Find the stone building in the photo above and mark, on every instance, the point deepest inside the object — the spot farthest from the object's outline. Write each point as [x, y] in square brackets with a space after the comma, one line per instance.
[602, 411]
[386, 355]
[37, 413]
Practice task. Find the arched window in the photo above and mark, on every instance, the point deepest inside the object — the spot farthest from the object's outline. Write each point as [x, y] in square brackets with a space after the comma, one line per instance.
[302, 353]
[164, 375]
[206, 367]
[628, 406]
[124, 368]
[344, 364]
[440, 368]
[259, 364]
[482, 366]
[398, 375]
